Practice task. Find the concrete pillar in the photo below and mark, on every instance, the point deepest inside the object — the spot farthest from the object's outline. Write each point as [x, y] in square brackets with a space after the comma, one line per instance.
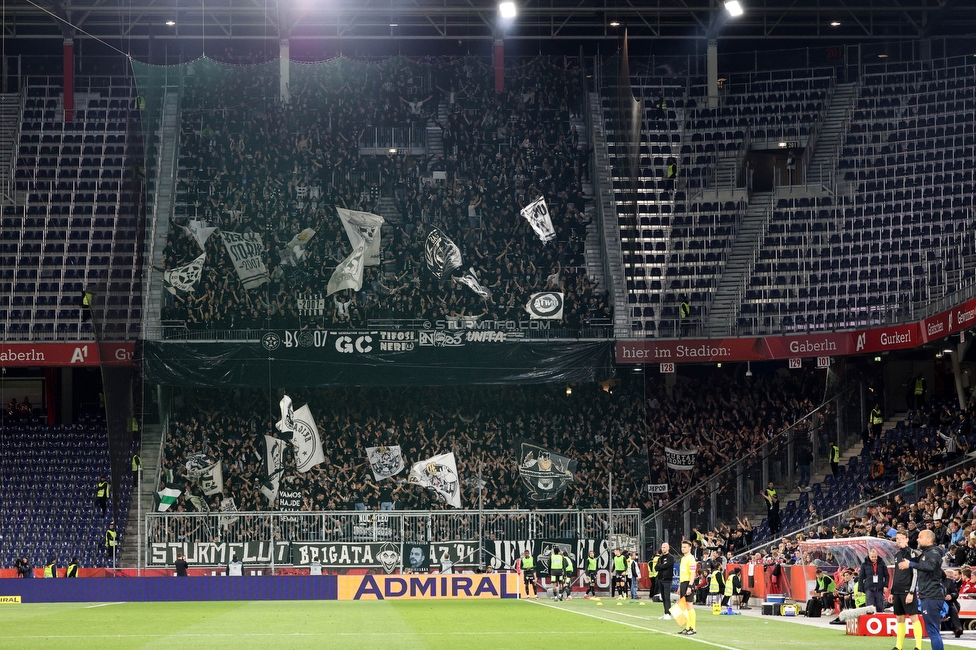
[68, 100]
[499, 64]
[711, 65]
[284, 66]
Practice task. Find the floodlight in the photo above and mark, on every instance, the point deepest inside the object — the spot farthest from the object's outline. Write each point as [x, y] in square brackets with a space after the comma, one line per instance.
[170, 23]
[734, 8]
[835, 23]
[507, 9]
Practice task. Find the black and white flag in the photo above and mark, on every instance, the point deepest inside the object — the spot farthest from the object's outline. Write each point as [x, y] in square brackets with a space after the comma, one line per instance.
[273, 449]
[195, 464]
[311, 304]
[295, 249]
[439, 473]
[200, 232]
[657, 488]
[246, 251]
[537, 214]
[305, 435]
[212, 479]
[361, 226]
[199, 503]
[470, 281]
[184, 278]
[546, 305]
[385, 461]
[442, 255]
[682, 460]
[228, 505]
[544, 472]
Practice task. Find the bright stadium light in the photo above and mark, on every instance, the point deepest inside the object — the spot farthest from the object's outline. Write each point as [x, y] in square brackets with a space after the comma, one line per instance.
[507, 9]
[170, 23]
[734, 8]
[835, 23]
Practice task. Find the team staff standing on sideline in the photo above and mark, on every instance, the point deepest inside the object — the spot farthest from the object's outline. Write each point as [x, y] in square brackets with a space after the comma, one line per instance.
[930, 592]
[528, 574]
[665, 573]
[591, 568]
[686, 577]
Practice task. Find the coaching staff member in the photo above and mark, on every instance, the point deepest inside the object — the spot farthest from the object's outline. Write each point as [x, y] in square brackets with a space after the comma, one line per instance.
[930, 592]
[665, 573]
[902, 595]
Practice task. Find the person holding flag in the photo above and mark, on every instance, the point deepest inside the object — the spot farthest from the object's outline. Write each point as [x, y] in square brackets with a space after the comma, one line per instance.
[685, 614]
[527, 567]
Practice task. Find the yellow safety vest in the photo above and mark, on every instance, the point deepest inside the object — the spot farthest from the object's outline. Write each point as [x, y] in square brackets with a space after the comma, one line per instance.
[104, 489]
[919, 386]
[729, 586]
[652, 569]
[713, 583]
[111, 537]
[49, 571]
[72, 571]
[876, 417]
[136, 463]
[834, 454]
[556, 562]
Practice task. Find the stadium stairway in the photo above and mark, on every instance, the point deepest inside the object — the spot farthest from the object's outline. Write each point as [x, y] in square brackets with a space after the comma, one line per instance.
[435, 132]
[822, 163]
[9, 136]
[169, 138]
[740, 261]
[152, 437]
[611, 227]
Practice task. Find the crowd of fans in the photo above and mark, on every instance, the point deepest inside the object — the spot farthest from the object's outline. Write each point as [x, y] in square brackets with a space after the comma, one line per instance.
[252, 163]
[602, 427]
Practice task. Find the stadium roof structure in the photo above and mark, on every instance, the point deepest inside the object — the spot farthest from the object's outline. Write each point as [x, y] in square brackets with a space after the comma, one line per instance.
[836, 20]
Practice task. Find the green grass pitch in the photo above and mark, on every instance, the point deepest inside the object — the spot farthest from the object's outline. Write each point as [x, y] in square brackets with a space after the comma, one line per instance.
[401, 625]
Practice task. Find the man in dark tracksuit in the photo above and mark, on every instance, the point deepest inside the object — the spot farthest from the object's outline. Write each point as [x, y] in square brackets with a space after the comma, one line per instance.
[873, 580]
[930, 592]
[665, 574]
[951, 586]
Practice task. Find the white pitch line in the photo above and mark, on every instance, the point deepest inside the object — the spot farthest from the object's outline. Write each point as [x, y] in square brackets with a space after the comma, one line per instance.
[104, 605]
[317, 634]
[639, 627]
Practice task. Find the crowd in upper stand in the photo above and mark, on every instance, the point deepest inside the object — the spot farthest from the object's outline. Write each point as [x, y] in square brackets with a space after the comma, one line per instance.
[250, 162]
[602, 427]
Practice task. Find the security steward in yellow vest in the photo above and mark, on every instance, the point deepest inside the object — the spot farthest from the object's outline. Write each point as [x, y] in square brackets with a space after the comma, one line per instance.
[72, 569]
[716, 585]
[876, 420]
[591, 568]
[834, 457]
[136, 463]
[86, 303]
[568, 570]
[111, 541]
[556, 564]
[619, 574]
[102, 492]
[528, 574]
[51, 568]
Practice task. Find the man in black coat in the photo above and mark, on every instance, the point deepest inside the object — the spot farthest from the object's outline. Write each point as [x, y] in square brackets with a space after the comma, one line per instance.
[930, 591]
[665, 574]
[873, 580]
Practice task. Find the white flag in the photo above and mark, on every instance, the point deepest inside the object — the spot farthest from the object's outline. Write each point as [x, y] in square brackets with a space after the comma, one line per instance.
[439, 473]
[246, 251]
[305, 439]
[200, 231]
[166, 497]
[385, 461]
[184, 278]
[547, 305]
[470, 281]
[212, 479]
[442, 255]
[273, 448]
[360, 226]
[287, 421]
[537, 214]
[295, 249]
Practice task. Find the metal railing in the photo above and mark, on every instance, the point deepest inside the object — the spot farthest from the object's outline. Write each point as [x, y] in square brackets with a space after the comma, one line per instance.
[383, 139]
[480, 527]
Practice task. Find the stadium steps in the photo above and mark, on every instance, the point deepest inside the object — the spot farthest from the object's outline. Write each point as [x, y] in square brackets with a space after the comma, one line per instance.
[386, 206]
[823, 163]
[721, 313]
[162, 208]
[9, 136]
[435, 133]
[152, 436]
[610, 234]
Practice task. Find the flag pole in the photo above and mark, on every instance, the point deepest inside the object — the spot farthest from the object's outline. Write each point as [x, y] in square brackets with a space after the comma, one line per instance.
[139, 519]
[481, 516]
[610, 515]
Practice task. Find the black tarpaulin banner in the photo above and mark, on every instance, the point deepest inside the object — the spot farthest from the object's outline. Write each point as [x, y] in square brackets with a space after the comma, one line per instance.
[371, 358]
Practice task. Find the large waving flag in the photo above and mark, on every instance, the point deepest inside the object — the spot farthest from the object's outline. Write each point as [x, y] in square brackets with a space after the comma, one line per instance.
[166, 497]
[305, 435]
[537, 214]
[544, 472]
[439, 473]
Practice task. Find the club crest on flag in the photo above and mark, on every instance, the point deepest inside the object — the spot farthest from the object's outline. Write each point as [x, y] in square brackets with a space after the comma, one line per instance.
[184, 278]
[385, 461]
[439, 473]
[537, 214]
[544, 472]
[442, 255]
[546, 305]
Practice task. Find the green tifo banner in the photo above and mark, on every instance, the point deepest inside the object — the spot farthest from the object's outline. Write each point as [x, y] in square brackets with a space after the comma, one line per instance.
[375, 358]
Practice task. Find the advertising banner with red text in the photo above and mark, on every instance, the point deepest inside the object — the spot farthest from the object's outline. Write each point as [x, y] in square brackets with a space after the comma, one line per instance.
[78, 353]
